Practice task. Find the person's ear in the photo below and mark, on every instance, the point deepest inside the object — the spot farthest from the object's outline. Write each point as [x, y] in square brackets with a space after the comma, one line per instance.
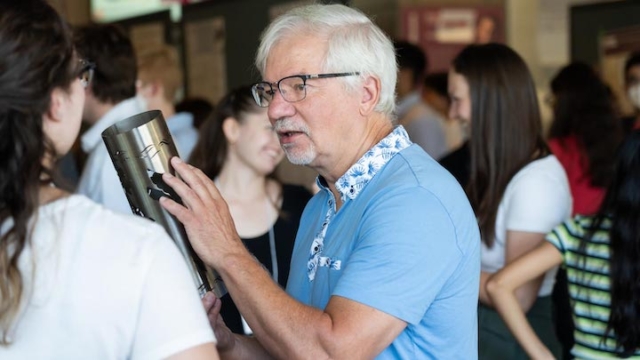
[155, 88]
[54, 116]
[370, 95]
[231, 129]
[55, 113]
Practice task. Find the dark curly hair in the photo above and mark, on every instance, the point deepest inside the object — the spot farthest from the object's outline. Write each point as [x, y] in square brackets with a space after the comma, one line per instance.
[36, 56]
[584, 108]
[622, 206]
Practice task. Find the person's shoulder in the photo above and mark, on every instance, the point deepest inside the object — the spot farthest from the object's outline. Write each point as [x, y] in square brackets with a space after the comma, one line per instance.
[548, 167]
[570, 232]
[415, 177]
[416, 164]
[89, 230]
[104, 222]
[542, 180]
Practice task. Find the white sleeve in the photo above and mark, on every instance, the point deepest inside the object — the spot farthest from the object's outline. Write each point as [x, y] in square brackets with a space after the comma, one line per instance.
[171, 318]
[539, 200]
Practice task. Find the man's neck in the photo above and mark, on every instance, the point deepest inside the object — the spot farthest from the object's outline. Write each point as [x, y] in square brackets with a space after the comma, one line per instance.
[159, 103]
[376, 131]
[167, 110]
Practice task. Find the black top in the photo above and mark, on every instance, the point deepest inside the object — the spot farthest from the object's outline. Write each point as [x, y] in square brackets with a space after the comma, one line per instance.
[294, 199]
[458, 163]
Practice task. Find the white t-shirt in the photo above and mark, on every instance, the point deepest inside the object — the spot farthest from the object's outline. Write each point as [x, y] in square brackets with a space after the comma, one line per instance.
[100, 285]
[536, 200]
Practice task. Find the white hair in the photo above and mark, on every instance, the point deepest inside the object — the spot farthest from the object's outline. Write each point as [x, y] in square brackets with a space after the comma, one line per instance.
[354, 43]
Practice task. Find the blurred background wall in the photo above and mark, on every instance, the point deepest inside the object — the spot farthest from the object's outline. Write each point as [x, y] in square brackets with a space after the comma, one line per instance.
[218, 38]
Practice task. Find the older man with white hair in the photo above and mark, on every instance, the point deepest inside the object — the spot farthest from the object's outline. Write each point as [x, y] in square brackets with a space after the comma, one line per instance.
[387, 257]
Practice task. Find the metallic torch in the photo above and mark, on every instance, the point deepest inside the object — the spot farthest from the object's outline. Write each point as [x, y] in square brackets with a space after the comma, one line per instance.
[140, 148]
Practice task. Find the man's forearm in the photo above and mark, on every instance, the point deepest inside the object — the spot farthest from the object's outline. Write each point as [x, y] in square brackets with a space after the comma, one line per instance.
[284, 327]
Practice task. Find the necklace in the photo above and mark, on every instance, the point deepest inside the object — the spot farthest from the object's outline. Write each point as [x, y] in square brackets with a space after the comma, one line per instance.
[272, 238]
[272, 250]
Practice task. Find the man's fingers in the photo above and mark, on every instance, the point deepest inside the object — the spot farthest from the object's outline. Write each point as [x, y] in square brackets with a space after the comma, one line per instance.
[188, 173]
[180, 212]
[196, 178]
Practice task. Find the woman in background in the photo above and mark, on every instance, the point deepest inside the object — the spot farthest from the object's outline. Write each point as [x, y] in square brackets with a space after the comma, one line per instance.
[585, 133]
[600, 253]
[518, 190]
[76, 281]
[239, 150]
[584, 136]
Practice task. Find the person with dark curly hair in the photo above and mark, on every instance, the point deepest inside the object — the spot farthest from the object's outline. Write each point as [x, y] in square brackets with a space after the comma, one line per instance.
[584, 136]
[585, 133]
[600, 253]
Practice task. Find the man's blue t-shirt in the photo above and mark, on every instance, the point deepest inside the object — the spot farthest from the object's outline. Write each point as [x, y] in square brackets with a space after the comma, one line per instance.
[405, 242]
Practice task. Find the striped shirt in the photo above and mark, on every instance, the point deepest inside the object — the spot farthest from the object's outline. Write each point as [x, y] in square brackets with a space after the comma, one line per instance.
[589, 286]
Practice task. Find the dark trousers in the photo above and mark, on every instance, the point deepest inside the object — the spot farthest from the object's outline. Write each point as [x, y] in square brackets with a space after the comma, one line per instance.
[563, 313]
[495, 341]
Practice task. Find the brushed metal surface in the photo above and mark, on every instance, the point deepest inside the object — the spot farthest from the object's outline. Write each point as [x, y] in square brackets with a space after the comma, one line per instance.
[140, 148]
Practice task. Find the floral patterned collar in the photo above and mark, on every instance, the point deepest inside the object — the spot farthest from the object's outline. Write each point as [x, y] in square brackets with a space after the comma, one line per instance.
[356, 178]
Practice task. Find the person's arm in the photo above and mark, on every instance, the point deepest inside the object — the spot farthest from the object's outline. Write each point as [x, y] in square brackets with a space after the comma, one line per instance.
[539, 200]
[285, 327]
[518, 244]
[502, 289]
[483, 296]
[230, 345]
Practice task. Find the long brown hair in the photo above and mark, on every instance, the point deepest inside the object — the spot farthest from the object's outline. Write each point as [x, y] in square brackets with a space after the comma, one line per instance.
[506, 130]
[36, 56]
[584, 107]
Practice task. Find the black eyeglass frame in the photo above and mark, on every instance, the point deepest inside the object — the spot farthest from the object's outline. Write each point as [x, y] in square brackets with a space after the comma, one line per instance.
[303, 77]
[86, 67]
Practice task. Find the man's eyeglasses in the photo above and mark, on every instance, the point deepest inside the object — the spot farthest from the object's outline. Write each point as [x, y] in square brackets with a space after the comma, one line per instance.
[292, 88]
[85, 72]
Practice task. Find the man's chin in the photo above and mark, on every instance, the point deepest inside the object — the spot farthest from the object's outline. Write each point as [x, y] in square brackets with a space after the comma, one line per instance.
[298, 159]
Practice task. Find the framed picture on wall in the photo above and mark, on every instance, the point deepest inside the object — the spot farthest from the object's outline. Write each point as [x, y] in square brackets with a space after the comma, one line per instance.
[442, 31]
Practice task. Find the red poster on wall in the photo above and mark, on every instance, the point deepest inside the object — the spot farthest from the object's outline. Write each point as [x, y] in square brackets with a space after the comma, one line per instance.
[442, 31]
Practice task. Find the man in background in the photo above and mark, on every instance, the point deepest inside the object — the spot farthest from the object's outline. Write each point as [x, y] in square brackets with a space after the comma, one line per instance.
[109, 98]
[159, 81]
[423, 124]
